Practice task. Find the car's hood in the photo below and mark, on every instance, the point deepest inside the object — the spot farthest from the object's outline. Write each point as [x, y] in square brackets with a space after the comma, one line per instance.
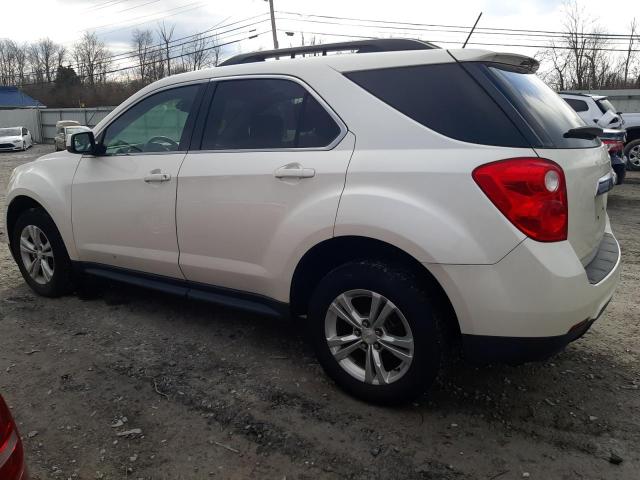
[10, 139]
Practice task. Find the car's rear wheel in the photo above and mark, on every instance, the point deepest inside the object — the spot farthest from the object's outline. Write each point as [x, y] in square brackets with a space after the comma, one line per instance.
[41, 255]
[376, 333]
[632, 151]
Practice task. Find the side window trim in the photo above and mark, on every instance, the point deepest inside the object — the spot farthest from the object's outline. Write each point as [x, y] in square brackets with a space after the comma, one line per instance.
[188, 127]
[207, 104]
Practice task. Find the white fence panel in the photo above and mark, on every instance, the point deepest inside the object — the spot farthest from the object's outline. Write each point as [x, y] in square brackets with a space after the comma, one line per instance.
[85, 116]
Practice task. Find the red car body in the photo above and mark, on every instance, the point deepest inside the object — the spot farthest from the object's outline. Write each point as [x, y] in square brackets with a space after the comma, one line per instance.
[12, 465]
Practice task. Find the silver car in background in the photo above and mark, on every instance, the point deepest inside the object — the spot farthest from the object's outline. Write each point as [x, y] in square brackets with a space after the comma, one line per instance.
[63, 131]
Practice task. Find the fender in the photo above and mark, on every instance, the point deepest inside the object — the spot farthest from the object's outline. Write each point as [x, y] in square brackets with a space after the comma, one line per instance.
[50, 185]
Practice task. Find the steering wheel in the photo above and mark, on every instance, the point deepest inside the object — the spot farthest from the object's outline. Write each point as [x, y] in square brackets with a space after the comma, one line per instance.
[124, 147]
[158, 142]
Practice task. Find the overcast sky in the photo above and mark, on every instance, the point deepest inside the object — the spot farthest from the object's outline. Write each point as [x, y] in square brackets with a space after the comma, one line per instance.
[113, 20]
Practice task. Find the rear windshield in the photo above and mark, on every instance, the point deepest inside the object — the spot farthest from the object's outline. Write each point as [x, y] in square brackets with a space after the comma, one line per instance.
[543, 109]
[605, 106]
[444, 98]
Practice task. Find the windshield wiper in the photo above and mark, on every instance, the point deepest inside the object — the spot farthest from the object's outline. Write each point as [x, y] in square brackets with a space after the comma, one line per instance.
[586, 133]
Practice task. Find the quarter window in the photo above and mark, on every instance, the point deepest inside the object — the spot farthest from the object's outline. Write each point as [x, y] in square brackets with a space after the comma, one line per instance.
[266, 114]
[156, 124]
[444, 98]
[577, 105]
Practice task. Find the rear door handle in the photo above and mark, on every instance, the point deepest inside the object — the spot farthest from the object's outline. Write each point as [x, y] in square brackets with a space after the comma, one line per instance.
[157, 177]
[294, 170]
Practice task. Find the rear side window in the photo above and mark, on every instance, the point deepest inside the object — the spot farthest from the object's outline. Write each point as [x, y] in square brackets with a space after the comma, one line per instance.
[577, 105]
[266, 114]
[444, 98]
[545, 111]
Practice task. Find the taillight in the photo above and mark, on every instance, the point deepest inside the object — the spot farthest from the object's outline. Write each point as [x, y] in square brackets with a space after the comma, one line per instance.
[613, 145]
[11, 454]
[530, 192]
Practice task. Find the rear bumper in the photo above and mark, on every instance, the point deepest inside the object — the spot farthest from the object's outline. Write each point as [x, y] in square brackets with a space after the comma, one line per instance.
[517, 350]
[533, 302]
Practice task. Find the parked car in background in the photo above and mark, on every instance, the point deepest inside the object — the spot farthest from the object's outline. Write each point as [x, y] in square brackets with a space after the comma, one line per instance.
[594, 109]
[15, 138]
[598, 110]
[12, 466]
[340, 189]
[614, 141]
[60, 139]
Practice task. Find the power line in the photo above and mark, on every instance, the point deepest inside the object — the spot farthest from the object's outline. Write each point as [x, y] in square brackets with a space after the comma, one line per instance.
[449, 26]
[436, 41]
[452, 29]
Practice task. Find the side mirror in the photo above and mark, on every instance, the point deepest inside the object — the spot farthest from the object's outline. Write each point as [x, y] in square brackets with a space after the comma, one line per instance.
[81, 142]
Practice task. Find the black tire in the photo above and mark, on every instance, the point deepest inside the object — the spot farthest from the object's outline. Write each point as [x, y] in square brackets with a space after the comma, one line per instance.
[633, 145]
[620, 173]
[60, 282]
[407, 292]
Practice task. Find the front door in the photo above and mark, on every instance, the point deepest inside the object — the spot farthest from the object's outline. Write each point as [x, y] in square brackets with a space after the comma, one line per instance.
[124, 201]
[264, 184]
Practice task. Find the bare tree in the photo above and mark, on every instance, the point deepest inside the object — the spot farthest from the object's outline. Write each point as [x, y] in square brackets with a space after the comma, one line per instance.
[166, 34]
[582, 57]
[92, 58]
[200, 52]
[142, 41]
[631, 54]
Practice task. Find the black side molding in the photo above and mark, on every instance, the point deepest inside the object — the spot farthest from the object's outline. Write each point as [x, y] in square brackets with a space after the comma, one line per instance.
[197, 291]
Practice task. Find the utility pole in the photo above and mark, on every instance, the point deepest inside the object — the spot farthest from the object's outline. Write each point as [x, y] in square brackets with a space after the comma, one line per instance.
[273, 25]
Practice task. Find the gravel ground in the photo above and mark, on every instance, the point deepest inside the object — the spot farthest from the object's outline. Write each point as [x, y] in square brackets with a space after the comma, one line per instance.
[134, 384]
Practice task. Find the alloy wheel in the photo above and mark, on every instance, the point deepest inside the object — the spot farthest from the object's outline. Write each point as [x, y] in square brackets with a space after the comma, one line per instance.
[369, 337]
[37, 254]
[634, 156]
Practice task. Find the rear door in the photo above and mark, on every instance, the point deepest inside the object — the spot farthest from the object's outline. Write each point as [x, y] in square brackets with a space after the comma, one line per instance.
[264, 185]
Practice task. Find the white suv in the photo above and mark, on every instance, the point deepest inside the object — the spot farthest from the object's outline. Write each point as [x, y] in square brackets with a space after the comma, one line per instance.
[396, 202]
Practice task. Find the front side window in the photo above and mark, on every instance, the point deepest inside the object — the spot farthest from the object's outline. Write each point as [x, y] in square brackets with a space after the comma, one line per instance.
[266, 114]
[155, 124]
[24, 131]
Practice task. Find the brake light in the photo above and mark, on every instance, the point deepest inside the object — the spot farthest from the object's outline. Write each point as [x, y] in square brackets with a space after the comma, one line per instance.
[530, 192]
[11, 453]
[613, 145]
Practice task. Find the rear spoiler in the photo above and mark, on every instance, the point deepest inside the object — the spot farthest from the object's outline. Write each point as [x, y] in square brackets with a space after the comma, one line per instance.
[520, 63]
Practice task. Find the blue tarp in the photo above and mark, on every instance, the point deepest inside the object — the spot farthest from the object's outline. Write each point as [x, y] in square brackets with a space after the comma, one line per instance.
[12, 97]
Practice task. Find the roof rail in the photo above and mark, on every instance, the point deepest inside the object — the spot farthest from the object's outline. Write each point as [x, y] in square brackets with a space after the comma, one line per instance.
[359, 46]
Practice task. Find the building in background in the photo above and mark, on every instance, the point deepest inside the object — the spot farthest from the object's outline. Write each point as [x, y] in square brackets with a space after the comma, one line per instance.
[13, 97]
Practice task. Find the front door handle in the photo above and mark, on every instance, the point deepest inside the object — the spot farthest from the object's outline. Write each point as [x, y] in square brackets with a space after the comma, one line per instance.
[294, 170]
[155, 176]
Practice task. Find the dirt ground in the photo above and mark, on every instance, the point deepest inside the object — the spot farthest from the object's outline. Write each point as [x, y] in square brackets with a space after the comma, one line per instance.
[207, 392]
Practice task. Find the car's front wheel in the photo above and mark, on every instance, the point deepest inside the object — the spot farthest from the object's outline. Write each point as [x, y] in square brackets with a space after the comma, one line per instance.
[376, 332]
[41, 255]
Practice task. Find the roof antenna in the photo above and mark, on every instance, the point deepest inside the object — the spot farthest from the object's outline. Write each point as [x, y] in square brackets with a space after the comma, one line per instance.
[472, 29]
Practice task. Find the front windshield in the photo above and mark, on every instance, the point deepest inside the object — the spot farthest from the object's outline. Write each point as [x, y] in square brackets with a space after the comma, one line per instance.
[10, 132]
